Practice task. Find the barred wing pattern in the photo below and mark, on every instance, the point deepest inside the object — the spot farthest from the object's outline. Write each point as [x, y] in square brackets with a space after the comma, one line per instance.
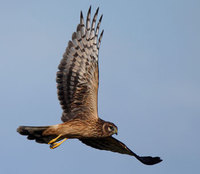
[78, 76]
[114, 145]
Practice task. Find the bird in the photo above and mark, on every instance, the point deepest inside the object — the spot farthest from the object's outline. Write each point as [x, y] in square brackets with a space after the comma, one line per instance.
[77, 88]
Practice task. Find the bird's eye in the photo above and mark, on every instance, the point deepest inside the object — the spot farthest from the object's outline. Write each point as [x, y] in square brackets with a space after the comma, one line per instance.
[110, 128]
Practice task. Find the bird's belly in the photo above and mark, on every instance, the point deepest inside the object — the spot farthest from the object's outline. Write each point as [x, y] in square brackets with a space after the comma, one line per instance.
[75, 129]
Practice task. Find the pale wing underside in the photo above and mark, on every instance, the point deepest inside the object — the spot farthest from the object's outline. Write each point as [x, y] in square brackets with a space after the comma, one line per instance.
[77, 78]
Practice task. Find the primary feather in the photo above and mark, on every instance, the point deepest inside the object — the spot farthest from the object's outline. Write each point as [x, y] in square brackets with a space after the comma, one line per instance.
[78, 75]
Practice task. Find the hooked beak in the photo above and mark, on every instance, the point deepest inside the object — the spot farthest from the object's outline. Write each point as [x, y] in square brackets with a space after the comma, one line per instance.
[116, 131]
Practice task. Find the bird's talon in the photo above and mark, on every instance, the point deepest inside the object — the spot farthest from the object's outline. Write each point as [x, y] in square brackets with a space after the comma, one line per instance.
[54, 145]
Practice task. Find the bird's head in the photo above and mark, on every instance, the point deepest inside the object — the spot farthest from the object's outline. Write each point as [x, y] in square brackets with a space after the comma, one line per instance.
[109, 129]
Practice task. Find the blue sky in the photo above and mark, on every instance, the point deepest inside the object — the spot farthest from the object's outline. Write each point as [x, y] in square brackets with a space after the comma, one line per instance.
[149, 84]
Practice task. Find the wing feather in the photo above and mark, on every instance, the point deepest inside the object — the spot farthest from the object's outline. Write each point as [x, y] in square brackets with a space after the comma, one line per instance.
[114, 145]
[77, 78]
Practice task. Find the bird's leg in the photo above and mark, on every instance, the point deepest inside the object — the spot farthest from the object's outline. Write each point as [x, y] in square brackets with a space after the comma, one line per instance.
[54, 140]
[54, 145]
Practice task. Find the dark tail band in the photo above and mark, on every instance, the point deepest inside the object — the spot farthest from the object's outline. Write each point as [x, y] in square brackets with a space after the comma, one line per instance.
[35, 133]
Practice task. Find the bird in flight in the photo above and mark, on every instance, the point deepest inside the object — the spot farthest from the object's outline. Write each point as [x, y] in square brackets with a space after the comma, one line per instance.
[77, 87]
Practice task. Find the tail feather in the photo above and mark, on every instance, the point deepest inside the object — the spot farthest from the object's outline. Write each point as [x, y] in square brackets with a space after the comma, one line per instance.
[35, 133]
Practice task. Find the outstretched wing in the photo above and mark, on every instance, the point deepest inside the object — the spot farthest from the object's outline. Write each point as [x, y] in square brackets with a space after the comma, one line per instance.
[114, 145]
[78, 76]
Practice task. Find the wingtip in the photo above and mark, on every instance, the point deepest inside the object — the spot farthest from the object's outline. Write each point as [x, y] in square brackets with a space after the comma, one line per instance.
[97, 10]
[89, 11]
[81, 15]
[101, 35]
[100, 18]
[148, 160]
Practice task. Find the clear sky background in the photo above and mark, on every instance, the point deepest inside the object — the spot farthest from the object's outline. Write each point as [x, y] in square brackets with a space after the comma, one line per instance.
[149, 84]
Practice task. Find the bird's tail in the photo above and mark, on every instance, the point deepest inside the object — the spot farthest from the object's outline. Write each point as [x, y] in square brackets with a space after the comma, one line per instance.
[35, 133]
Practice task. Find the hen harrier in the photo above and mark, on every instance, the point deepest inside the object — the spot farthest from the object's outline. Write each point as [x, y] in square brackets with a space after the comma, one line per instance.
[77, 86]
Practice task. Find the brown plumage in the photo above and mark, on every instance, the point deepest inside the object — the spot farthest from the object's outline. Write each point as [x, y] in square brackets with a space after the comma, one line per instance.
[77, 86]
